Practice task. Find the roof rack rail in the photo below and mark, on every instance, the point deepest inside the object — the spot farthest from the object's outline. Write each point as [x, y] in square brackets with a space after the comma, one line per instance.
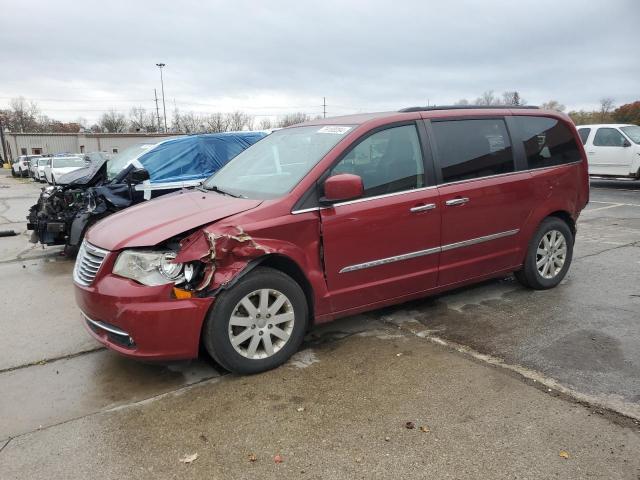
[465, 107]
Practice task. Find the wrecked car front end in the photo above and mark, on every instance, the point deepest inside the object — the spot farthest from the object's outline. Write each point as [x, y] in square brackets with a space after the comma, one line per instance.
[64, 212]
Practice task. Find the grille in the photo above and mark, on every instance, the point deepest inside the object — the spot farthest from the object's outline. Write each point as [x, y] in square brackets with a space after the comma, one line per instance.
[88, 263]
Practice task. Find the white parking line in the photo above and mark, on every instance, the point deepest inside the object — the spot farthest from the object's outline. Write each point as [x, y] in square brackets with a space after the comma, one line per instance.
[604, 208]
[617, 204]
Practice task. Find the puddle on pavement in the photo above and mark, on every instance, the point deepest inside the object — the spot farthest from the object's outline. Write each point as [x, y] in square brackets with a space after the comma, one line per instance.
[41, 395]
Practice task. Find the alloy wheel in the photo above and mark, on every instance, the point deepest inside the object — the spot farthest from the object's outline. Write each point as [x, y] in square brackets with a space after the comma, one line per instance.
[551, 254]
[261, 323]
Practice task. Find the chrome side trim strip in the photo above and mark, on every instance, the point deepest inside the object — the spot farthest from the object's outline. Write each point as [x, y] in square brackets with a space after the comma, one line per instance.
[365, 199]
[386, 195]
[305, 210]
[107, 328]
[473, 241]
[384, 261]
[429, 251]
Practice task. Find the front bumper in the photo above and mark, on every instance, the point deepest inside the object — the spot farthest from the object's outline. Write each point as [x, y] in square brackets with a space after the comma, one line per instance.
[140, 321]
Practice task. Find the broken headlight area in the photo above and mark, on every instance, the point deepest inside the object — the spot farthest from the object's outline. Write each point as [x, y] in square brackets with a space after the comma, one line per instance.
[155, 268]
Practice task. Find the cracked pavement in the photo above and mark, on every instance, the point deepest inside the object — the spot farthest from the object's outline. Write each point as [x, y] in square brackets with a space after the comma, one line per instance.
[502, 378]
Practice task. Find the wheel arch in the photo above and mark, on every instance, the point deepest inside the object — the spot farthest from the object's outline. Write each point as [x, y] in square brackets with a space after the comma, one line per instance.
[289, 267]
[567, 218]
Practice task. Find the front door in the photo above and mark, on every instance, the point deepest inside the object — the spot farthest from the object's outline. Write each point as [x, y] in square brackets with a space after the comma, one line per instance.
[483, 200]
[385, 244]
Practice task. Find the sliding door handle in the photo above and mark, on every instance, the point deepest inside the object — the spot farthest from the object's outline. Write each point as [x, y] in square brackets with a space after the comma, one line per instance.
[422, 208]
[456, 201]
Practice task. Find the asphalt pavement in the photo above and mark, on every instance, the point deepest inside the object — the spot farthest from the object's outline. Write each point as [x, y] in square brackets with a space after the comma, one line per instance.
[497, 381]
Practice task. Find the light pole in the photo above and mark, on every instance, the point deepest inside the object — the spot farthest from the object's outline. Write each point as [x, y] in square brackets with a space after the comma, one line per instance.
[164, 107]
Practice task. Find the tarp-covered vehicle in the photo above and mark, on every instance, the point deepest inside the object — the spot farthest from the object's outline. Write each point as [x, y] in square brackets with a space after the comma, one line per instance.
[141, 172]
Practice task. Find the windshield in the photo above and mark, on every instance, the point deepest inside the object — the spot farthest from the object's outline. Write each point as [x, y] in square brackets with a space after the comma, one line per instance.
[274, 165]
[633, 132]
[64, 162]
[43, 161]
[117, 163]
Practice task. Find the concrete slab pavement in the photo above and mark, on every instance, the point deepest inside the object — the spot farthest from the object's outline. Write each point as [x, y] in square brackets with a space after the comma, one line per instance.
[343, 416]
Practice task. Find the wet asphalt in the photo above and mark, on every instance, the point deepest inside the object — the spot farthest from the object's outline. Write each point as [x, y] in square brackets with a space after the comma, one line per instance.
[502, 379]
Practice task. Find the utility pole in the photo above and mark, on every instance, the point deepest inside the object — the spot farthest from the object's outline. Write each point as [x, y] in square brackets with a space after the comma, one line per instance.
[4, 145]
[164, 107]
[324, 107]
[155, 93]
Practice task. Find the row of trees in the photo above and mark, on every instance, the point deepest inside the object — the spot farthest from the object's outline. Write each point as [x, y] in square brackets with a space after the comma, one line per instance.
[24, 116]
[605, 113]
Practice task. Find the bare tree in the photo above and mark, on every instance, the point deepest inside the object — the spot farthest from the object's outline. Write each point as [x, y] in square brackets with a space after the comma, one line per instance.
[113, 122]
[193, 123]
[142, 121]
[238, 120]
[462, 101]
[292, 119]
[217, 122]
[266, 124]
[23, 113]
[553, 105]
[487, 98]
[176, 121]
[513, 98]
[606, 107]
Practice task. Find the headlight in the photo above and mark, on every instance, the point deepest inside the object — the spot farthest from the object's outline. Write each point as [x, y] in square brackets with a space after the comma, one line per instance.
[149, 268]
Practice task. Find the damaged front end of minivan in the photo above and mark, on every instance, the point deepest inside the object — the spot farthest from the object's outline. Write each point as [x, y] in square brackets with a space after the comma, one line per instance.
[214, 260]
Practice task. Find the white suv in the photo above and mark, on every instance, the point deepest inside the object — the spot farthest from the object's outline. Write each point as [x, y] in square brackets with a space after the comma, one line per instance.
[613, 150]
[20, 167]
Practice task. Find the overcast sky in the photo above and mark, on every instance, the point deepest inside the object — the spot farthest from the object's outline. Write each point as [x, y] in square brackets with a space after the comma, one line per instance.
[79, 58]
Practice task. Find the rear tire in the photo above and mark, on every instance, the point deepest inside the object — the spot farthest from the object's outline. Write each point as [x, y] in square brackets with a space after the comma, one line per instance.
[548, 256]
[265, 333]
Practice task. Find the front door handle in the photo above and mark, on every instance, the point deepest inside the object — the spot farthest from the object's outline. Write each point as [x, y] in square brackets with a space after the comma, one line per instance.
[456, 201]
[422, 208]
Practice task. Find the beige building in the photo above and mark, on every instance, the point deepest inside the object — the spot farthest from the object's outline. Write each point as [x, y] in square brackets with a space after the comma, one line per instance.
[43, 143]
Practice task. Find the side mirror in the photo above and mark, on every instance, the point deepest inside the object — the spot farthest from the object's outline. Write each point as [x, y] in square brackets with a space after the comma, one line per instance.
[626, 143]
[138, 175]
[342, 187]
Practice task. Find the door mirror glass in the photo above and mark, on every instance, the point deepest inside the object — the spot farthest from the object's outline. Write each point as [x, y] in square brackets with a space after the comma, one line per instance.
[342, 187]
[626, 143]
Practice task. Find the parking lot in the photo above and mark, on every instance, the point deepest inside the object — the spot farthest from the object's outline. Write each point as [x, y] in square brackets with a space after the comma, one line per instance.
[496, 381]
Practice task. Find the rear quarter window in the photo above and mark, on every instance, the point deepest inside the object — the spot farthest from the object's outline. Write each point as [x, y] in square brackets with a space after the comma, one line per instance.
[547, 141]
[584, 134]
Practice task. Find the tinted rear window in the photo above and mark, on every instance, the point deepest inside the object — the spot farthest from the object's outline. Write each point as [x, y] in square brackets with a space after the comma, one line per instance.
[472, 148]
[584, 134]
[547, 141]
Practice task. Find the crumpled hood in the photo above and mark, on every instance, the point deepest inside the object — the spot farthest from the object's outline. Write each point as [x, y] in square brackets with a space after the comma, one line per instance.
[149, 223]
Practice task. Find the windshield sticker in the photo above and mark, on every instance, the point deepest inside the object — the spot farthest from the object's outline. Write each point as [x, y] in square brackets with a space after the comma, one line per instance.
[334, 129]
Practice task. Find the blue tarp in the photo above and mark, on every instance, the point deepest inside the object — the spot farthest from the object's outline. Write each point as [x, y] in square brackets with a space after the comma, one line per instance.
[195, 157]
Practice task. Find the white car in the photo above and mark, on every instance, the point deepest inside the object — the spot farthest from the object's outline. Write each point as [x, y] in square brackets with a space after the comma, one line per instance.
[61, 165]
[613, 150]
[39, 173]
[20, 167]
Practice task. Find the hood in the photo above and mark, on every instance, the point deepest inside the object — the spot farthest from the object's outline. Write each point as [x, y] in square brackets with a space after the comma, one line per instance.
[86, 176]
[150, 223]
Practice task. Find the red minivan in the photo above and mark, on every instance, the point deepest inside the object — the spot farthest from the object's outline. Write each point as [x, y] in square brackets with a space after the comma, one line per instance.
[330, 218]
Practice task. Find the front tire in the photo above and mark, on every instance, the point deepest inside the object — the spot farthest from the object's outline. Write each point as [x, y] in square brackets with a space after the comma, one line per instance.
[258, 323]
[549, 255]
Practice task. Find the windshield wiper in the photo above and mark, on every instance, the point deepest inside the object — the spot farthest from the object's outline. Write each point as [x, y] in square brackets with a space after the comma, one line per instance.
[215, 188]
